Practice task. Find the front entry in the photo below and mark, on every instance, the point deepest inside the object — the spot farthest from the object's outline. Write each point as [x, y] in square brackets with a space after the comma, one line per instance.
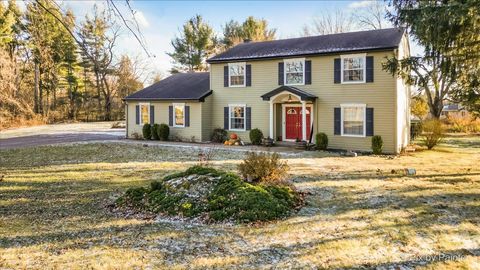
[293, 122]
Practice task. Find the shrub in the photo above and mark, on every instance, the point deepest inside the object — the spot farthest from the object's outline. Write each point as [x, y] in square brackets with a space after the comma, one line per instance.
[133, 198]
[155, 132]
[256, 136]
[219, 135]
[321, 140]
[377, 144]
[163, 132]
[147, 132]
[433, 132]
[262, 167]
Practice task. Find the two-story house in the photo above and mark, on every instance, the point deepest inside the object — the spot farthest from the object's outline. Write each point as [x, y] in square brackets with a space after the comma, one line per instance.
[290, 89]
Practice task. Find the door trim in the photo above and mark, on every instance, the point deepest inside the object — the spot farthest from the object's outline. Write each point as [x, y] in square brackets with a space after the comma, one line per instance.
[284, 138]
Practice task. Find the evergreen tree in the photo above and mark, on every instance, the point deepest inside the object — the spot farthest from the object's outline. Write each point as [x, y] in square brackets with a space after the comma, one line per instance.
[251, 29]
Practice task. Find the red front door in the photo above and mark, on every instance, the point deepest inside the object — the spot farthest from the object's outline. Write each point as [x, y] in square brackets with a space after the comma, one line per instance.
[293, 123]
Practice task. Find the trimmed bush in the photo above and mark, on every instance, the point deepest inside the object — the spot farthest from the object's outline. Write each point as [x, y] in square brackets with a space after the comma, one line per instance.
[219, 135]
[262, 167]
[155, 132]
[321, 141]
[433, 132]
[147, 131]
[377, 144]
[163, 132]
[256, 136]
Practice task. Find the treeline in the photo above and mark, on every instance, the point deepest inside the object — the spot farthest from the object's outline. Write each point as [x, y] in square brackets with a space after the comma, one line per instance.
[54, 68]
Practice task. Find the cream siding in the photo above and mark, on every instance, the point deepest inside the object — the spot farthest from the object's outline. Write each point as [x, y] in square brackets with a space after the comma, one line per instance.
[403, 101]
[206, 119]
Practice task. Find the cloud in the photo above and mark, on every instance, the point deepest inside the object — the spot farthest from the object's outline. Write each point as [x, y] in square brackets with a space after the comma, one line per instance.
[360, 4]
[142, 21]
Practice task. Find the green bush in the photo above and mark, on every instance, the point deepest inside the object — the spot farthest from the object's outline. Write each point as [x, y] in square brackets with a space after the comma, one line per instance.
[321, 141]
[433, 132]
[134, 197]
[163, 132]
[155, 132]
[147, 131]
[377, 144]
[219, 135]
[256, 136]
[262, 167]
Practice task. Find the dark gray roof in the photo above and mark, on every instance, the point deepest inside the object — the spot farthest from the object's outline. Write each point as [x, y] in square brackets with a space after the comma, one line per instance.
[302, 94]
[181, 86]
[326, 44]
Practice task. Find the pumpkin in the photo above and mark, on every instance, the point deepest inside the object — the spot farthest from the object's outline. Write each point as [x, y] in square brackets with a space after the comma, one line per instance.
[233, 136]
[225, 143]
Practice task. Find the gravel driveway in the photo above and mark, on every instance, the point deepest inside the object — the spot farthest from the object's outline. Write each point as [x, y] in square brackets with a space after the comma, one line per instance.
[59, 133]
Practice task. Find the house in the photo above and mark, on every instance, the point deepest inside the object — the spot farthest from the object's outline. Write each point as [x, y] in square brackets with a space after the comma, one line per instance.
[290, 89]
[453, 109]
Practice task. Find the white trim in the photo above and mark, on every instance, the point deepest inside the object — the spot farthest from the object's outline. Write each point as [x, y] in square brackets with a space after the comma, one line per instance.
[364, 56]
[284, 93]
[244, 74]
[364, 106]
[140, 123]
[272, 120]
[285, 71]
[283, 118]
[175, 117]
[244, 116]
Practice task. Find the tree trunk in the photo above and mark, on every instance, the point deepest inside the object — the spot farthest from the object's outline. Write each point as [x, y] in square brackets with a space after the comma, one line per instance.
[108, 99]
[97, 82]
[36, 107]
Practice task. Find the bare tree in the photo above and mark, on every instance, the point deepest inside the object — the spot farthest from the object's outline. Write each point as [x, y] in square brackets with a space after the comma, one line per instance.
[329, 22]
[373, 16]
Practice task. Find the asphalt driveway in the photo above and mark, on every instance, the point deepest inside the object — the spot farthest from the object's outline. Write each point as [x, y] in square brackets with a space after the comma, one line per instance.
[59, 133]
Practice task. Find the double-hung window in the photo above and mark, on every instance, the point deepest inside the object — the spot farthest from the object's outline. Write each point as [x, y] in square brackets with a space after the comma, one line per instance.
[179, 115]
[144, 113]
[353, 68]
[294, 71]
[353, 120]
[237, 117]
[236, 74]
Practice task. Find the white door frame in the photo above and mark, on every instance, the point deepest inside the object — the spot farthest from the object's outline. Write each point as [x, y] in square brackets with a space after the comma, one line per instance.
[284, 138]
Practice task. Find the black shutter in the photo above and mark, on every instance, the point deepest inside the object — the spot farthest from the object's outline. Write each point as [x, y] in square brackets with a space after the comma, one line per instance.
[137, 114]
[170, 116]
[225, 118]
[369, 116]
[248, 118]
[337, 70]
[369, 69]
[280, 73]
[187, 116]
[248, 73]
[337, 121]
[225, 76]
[308, 72]
[152, 115]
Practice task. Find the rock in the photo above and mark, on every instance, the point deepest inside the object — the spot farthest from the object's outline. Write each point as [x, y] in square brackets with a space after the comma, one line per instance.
[350, 154]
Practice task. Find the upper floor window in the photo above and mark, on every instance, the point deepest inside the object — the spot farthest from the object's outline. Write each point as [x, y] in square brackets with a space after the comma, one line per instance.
[294, 71]
[353, 68]
[179, 112]
[144, 113]
[236, 74]
[353, 120]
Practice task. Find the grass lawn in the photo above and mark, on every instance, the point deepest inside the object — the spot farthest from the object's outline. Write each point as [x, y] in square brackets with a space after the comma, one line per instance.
[358, 213]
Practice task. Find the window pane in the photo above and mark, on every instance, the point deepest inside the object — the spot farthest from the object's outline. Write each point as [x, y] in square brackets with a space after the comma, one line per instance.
[144, 113]
[179, 115]
[353, 75]
[294, 78]
[353, 120]
[236, 80]
[353, 63]
[237, 74]
[237, 117]
[236, 112]
[294, 66]
[237, 123]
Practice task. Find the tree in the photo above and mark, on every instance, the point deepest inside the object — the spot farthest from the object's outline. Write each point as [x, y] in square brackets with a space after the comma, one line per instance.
[330, 22]
[128, 81]
[157, 76]
[194, 45]
[448, 31]
[419, 107]
[251, 29]
[373, 16]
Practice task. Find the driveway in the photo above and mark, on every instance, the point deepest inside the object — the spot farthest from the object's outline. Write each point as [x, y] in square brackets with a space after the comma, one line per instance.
[59, 133]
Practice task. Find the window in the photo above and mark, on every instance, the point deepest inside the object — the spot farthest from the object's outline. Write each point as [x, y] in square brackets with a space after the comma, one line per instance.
[353, 68]
[179, 113]
[236, 74]
[353, 120]
[294, 71]
[237, 117]
[144, 113]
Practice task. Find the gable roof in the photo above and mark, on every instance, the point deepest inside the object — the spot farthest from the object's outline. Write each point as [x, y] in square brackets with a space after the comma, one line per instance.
[294, 90]
[180, 86]
[325, 44]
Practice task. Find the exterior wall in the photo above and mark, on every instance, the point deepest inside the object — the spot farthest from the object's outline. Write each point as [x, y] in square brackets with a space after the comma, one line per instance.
[194, 131]
[380, 95]
[403, 101]
[206, 119]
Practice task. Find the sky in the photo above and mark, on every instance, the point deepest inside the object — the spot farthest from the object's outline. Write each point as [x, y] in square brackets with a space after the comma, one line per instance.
[160, 21]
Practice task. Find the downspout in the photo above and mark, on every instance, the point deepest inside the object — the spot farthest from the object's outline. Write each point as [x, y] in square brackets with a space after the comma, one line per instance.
[126, 119]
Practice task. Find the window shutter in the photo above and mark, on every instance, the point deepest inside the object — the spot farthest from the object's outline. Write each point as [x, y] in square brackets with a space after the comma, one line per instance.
[225, 118]
[137, 114]
[187, 116]
[369, 121]
[170, 116]
[248, 75]
[337, 70]
[248, 118]
[225, 76]
[337, 121]
[280, 73]
[308, 72]
[152, 114]
[369, 69]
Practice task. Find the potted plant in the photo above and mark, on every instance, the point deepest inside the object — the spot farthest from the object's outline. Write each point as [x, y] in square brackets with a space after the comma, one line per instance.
[267, 141]
[299, 144]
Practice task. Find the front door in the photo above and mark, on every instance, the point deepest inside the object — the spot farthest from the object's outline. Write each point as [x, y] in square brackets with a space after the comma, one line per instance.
[293, 122]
